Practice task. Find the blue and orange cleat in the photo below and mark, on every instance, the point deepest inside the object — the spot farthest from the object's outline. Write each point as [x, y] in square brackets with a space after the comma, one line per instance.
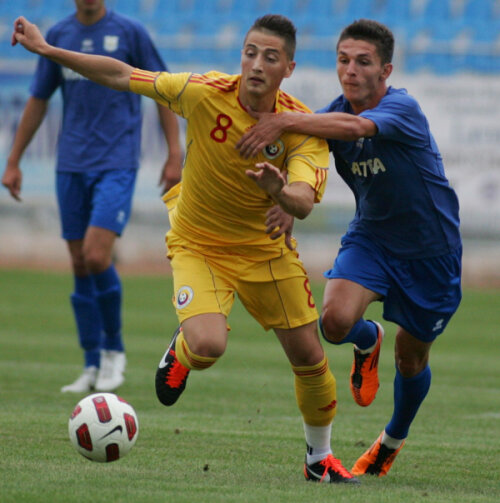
[364, 372]
[377, 460]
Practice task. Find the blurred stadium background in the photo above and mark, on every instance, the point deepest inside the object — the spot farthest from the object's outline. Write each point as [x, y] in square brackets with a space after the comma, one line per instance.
[447, 56]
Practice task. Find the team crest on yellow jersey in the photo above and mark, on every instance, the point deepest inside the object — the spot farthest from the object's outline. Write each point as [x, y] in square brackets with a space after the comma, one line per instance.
[184, 297]
[274, 150]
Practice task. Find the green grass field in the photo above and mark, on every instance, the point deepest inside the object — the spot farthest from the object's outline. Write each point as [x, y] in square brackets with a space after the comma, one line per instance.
[236, 434]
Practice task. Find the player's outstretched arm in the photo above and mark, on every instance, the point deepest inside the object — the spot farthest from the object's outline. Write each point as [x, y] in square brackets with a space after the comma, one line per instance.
[107, 71]
[332, 125]
[296, 199]
[266, 131]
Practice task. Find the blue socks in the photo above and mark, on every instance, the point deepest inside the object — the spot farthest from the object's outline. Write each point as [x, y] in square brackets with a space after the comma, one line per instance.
[96, 304]
[363, 334]
[87, 318]
[109, 301]
[409, 393]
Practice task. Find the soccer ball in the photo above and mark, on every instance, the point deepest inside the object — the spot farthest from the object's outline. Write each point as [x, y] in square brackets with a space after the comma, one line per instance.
[103, 427]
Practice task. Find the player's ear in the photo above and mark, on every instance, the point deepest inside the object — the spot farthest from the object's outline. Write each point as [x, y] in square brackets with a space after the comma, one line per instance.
[290, 69]
[386, 71]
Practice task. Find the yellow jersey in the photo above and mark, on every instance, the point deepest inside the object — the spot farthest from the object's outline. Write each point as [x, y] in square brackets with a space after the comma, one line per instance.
[218, 204]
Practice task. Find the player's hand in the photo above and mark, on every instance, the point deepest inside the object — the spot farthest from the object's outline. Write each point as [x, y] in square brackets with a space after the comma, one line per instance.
[12, 180]
[278, 222]
[267, 177]
[28, 35]
[171, 173]
[266, 131]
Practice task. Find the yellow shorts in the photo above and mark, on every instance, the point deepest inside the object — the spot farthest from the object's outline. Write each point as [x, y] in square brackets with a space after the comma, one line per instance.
[276, 292]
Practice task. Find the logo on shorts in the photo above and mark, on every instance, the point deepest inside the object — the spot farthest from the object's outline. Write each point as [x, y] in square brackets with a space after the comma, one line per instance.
[438, 325]
[274, 150]
[184, 297]
[120, 218]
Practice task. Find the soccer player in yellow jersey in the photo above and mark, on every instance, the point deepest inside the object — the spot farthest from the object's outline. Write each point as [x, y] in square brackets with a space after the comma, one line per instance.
[223, 238]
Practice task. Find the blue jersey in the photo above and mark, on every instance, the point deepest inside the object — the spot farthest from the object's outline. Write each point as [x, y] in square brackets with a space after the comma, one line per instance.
[101, 128]
[404, 201]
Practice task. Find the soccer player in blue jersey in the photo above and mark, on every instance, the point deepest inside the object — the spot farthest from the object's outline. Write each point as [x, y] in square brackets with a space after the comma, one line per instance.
[98, 158]
[403, 246]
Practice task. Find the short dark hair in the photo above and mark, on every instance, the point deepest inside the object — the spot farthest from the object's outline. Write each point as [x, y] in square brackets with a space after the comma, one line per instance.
[374, 32]
[280, 26]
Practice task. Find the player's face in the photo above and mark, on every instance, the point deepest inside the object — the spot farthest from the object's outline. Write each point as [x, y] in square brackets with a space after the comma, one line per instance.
[361, 73]
[264, 64]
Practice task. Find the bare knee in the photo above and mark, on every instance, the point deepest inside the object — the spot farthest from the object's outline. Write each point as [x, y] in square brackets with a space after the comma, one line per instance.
[206, 335]
[208, 344]
[309, 359]
[335, 326]
[96, 260]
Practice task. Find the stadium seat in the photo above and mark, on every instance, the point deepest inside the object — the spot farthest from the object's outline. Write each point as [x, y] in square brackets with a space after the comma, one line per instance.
[321, 57]
[435, 12]
[246, 12]
[478, 11]
[416, 50]
[130, 9]
[392, 12]
[283, 7]
[303, 9]
[57, 9]
[16, 53]
[357, 9]
[484, 51]
[437, 35]
[448, 47]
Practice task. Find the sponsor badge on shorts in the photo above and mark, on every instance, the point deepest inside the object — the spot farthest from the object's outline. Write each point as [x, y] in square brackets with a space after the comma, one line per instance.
[274, 150]
[184, 297]
[110, 43]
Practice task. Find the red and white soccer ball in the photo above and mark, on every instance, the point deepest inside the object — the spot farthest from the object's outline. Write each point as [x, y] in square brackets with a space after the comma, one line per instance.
[103, 427]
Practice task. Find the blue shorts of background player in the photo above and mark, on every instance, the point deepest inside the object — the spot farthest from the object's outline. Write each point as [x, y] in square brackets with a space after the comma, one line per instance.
[100, 198]
[420, 295]
[97, 203]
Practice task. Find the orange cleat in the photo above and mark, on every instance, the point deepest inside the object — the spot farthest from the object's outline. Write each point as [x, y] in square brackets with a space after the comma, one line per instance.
[364, 372]
[377, 460]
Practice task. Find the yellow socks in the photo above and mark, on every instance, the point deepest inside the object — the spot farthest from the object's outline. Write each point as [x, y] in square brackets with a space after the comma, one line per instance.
[316, 393]
[188, 359]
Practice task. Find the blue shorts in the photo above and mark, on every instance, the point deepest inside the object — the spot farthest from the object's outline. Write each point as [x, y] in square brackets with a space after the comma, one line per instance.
[420, 295]
[100, 198]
